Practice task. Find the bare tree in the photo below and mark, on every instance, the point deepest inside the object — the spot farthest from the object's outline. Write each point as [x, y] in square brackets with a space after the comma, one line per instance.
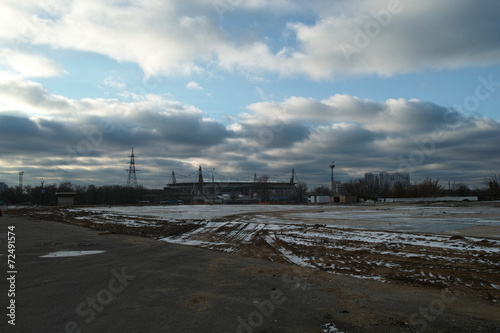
[461, 189]
[363, 188]
[399, 191]
[66, 186]
[352, 188]
[492, 181]
[300, 192]
[370, 190]
[429, 188]
[322, 190]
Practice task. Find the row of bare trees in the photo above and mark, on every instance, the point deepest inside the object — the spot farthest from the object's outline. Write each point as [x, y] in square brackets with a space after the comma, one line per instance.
[84, 195]
[363, 188]
[122, 195]
[117, 194]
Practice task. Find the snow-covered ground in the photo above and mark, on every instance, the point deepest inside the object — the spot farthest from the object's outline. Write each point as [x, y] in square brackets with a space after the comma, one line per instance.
[405, 218]
[447, 246]
[193, 212]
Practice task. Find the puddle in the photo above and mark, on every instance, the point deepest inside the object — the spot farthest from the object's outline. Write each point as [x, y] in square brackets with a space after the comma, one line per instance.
[70, 253]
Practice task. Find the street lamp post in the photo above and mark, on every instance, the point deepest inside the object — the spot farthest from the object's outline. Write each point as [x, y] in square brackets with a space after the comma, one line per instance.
[331, 179]
[213, 186]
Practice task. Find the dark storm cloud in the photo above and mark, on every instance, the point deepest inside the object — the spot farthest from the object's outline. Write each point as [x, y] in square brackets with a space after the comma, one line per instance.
[282, 135]
[85, 139]
[21, 134]
[367, 136]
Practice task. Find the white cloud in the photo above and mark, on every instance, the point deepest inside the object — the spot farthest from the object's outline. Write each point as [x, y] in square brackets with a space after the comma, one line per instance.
[19, 94]
[373, 37]
[268, 4]
[193, 85]
[114, 82]
[149, 34]
[168, 37]
[30, 65]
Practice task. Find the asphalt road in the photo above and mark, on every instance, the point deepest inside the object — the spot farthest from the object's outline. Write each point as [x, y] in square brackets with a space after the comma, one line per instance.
[142, 285]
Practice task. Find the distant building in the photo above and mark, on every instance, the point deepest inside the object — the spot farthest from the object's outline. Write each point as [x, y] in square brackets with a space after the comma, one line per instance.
[65, 198]
[3, 187]
[386, 179]
[274, 191]
[341, 187]
[261, 189]
[318, 199]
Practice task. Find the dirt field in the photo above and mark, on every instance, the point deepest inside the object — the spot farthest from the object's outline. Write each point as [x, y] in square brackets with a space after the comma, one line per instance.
[461, 261]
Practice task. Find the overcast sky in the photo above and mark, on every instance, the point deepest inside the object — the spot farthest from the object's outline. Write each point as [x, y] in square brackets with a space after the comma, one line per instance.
[248, 86]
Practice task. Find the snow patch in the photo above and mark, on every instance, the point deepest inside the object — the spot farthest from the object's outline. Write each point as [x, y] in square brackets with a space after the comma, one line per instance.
[70, 254]
[330, 328]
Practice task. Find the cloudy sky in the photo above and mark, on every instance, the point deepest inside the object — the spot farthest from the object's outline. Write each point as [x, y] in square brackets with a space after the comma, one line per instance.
[248, 86]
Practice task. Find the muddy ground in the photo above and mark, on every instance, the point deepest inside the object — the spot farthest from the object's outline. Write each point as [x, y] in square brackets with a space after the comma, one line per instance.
[454, 266]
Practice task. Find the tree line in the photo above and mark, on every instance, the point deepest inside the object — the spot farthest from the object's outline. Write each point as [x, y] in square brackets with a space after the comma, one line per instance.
[84, 195]
[123, 195]
[366, 189]
[45, 195]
